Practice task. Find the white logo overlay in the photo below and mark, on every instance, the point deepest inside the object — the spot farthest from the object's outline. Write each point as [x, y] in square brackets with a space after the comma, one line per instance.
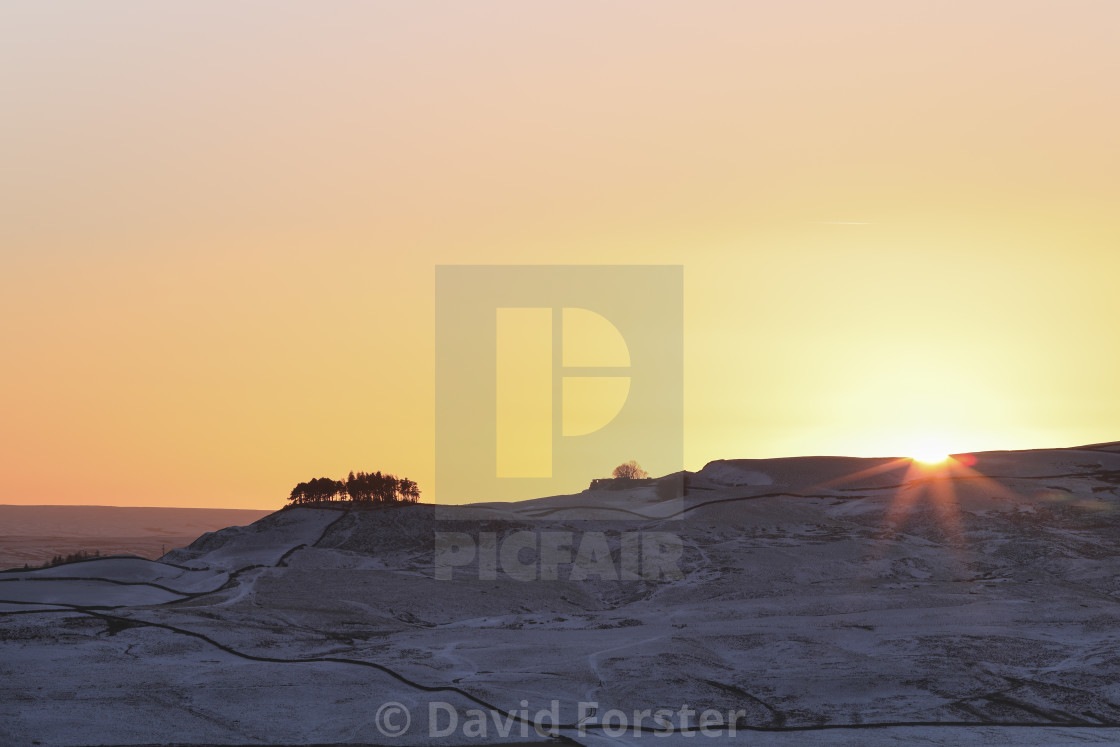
[549, 377]
[447, 721]
[392, 719]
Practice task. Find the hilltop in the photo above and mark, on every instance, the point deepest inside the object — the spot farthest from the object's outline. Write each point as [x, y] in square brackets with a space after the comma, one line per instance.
[819, 593]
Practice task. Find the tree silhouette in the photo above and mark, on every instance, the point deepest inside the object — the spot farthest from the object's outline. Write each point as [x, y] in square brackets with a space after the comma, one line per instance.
[73, 557]
[408, 490]
[359, 487]
[629, 471]
[316, 491]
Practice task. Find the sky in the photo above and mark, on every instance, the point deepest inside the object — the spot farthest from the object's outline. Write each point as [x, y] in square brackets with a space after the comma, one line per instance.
[219, 223]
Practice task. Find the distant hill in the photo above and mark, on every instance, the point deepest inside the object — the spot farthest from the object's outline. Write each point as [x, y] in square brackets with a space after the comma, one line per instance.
[35, 534]
[864, 601]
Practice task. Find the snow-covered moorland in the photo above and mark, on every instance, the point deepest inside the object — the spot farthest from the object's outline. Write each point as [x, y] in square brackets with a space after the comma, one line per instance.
[819, 600]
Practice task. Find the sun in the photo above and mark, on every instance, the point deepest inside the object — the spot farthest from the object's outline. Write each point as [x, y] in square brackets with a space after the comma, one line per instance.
[929, 452]
[931, 457]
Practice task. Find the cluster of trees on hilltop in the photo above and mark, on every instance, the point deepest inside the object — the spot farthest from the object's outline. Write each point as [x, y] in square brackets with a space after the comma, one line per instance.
[363, 487]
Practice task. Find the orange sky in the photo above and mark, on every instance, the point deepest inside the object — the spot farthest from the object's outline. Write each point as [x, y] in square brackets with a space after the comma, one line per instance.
[219, 223]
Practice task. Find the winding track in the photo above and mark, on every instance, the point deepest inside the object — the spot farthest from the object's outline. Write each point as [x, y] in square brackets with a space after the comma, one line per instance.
[120, 623]
[545, 729]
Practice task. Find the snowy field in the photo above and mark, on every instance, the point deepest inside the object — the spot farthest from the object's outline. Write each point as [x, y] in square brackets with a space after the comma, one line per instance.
[819, 601]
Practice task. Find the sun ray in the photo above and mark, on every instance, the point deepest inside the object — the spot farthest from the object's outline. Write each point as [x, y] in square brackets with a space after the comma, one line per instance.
[930, 477]
[893, 464]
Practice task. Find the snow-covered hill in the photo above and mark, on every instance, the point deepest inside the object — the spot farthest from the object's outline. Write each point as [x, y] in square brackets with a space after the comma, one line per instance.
[822, 600]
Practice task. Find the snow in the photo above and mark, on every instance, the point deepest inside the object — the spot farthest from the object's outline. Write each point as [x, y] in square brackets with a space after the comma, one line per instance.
[815, 600]
[261, 543]
[129, 570]
[91, 592]
[732, 474]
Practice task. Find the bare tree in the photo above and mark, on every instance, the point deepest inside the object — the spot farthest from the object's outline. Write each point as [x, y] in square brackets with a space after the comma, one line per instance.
[629, 471]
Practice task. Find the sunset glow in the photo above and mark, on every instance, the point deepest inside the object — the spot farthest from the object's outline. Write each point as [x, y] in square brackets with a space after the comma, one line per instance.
[218, 244]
